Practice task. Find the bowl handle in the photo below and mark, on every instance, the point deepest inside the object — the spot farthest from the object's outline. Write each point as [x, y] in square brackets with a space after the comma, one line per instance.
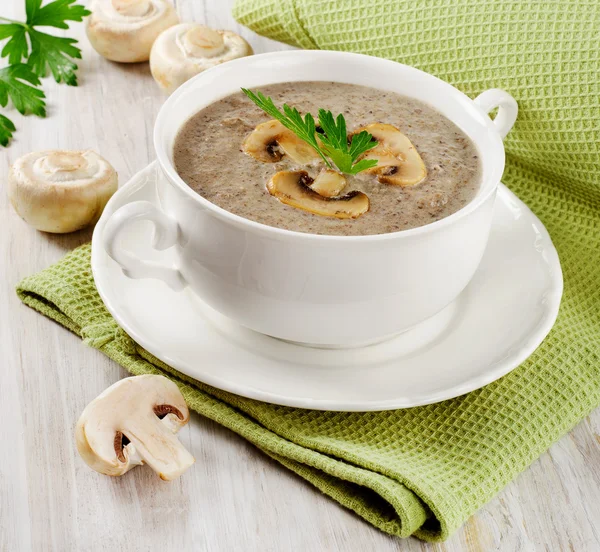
[507, 108]
[166, 234]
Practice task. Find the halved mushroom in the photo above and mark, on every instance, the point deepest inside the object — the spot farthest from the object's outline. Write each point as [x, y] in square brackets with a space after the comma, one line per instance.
[269, 141]
[187, 49]
[124, 30]
[134, 422]
[292, 188]
[329, 183]
[398, 161]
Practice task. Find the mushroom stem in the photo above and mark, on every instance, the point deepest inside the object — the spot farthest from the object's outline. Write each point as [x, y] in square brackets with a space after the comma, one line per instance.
[202, 42]
[329, 183]
[158, 447]
[63, 161]
[132, 8]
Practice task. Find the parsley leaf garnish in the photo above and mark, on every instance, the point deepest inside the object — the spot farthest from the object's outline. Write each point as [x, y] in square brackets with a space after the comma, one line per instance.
[6, 130]
[54, 14]
[54, 52]
[334, 139]
[40, 51]
[16, 48]
[15, 83]
[335, 144]
[44, 50]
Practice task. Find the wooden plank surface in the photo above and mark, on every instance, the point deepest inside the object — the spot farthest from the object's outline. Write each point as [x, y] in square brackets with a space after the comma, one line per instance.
[234, 498]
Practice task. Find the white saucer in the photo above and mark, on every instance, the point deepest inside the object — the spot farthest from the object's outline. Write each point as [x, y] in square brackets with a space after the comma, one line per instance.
[495, 324]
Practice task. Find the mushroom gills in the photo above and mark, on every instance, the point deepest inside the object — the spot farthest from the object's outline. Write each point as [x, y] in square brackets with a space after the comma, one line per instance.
[398, 161]
[121, 441]
[293, 189]
[132, 8]
[269, 141]
[201, 42]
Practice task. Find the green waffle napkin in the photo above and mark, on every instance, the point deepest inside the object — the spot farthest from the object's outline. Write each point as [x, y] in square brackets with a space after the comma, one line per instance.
[424, 471]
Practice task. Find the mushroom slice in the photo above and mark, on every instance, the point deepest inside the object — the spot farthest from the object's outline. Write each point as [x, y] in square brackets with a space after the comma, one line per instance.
[60, 190]
[292, 188]
[398, 161]
[269, 141]
[124, 30]
[329, 183]
[188, 49]
[147, 411]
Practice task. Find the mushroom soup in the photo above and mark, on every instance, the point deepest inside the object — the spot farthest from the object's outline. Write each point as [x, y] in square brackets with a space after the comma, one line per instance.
[234, 155]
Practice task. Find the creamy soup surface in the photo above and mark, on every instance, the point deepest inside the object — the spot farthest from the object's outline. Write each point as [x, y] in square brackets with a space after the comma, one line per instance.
[208, 156]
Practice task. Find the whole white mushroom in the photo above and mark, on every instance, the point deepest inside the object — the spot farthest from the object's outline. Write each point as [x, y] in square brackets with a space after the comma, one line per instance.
[187, 49]
[124, 30]
[61, 191]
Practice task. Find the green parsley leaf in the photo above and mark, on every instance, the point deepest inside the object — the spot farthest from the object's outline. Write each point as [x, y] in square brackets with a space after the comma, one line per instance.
[335, 144]
[18, 84]
[54, 14]
[54, 51]
[15, 83]
[41, 51]
[7, 128]
[16, 48]
[334, 139]
[45, 51]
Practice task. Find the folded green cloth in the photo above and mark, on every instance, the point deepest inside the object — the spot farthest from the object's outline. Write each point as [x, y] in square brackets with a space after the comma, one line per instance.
[424, 471]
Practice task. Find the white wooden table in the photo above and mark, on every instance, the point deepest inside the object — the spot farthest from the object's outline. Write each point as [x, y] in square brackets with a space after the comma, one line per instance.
[234, 498]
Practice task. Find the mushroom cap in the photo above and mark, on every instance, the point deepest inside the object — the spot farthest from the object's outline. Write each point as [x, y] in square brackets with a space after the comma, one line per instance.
[148, 410]
[124, 30]
[293, 189]
[187, 49]
[398, 161]
[61, 191]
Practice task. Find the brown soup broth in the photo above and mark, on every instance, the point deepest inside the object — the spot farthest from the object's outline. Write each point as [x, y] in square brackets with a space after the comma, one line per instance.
[208, 156]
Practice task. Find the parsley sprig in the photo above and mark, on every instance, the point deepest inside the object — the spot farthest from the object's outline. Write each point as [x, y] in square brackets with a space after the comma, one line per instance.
[18, 83]
[333, 146]
[31, 53]
[7, 127]
[42, 50]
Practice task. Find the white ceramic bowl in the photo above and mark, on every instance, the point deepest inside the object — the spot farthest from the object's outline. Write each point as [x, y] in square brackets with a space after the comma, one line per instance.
[321, 290]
